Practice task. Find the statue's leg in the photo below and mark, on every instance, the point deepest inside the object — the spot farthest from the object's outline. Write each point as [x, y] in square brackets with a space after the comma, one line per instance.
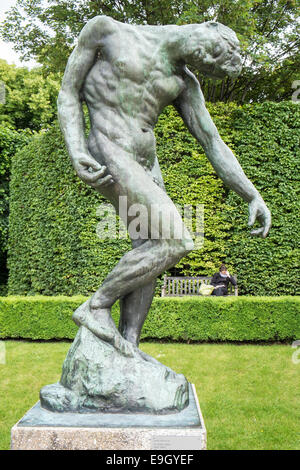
[141, 266]
[137, 268]
[134, 308]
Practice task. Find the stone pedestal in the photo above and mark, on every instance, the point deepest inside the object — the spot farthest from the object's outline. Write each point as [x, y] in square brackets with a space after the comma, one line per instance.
[41, 429]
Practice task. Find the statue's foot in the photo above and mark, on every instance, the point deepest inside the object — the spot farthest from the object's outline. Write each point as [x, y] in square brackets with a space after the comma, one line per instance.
[100, 322]
[79, 316]
[125, 347]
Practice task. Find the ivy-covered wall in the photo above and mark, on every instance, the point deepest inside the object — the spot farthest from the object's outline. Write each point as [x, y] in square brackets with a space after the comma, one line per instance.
[53, 245]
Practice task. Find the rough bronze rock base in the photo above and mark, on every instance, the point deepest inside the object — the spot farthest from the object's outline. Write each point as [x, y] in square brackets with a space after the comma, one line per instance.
[40, 429]
[97, 377]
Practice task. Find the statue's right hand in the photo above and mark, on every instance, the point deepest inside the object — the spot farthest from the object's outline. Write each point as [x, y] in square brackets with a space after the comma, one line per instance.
[91, 172]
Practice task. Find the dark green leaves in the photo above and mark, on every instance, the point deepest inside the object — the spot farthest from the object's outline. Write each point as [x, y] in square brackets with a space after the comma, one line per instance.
[54, 248]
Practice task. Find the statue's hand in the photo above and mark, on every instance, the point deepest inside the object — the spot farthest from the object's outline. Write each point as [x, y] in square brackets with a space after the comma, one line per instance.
[258, 210]
[90, 171]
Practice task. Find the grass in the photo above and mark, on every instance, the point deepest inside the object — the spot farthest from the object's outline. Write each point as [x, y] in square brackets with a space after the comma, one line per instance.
[249, 394]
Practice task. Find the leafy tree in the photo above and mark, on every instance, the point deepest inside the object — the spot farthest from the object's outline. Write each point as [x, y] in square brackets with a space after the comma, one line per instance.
[46, 30]
[269, 34]
[30, 97]
[268, 31]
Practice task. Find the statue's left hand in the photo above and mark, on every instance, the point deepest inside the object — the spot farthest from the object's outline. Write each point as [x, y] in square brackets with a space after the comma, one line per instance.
[258, 210]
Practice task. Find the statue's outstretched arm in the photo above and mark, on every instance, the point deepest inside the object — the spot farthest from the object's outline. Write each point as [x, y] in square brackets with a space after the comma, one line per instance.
[191, 106]
[70, 113]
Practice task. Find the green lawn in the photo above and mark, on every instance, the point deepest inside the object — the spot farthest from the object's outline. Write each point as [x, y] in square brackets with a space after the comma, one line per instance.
[249, 394]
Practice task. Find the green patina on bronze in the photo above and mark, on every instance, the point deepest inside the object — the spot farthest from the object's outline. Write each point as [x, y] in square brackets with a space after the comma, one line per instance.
[127, 74]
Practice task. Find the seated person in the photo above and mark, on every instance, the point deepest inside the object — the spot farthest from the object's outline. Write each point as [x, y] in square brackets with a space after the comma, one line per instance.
[221, 280]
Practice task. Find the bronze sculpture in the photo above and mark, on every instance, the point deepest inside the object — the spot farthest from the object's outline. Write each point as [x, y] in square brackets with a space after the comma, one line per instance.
[127, 74]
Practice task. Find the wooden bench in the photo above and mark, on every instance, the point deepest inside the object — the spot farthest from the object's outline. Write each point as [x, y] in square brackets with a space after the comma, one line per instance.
[180, 286]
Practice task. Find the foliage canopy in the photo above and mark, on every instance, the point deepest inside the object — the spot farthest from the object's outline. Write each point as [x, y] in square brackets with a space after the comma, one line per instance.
[268, 31]
[30, 97]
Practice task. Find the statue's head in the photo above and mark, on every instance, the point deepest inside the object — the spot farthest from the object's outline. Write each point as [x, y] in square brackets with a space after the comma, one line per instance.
[214, 49]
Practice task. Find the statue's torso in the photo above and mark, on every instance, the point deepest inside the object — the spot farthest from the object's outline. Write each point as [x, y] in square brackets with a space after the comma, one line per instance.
[128, 87]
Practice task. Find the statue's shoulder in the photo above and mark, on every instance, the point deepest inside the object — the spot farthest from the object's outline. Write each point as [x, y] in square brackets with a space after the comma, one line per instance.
[104, 23]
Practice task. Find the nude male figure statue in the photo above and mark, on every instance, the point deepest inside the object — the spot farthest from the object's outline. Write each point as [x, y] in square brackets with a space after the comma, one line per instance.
[127, 74]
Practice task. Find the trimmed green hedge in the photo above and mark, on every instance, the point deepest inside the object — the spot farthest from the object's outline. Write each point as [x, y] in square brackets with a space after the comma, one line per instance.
[10, 141]
[180, 319]
[53, 246]
[266, 140]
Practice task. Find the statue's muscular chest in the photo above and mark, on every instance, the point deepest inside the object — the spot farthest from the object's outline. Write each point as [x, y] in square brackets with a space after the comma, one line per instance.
[135, 68]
